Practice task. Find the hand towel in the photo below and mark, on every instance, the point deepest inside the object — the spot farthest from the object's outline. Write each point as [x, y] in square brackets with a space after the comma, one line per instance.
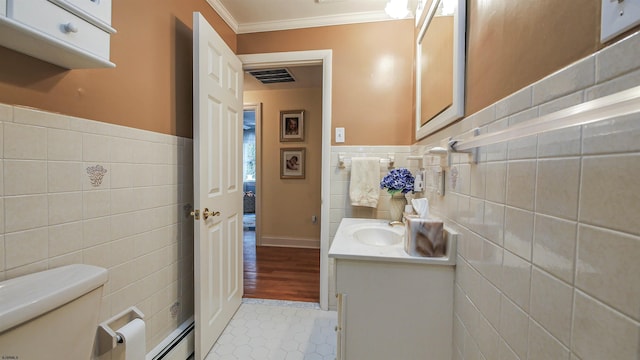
[364, 189]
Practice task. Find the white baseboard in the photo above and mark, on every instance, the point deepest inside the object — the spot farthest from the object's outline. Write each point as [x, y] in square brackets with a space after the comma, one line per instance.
[179, 345]
[289, 242]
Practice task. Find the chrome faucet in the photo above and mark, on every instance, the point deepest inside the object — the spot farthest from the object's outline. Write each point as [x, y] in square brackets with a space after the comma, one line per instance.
[395, 222]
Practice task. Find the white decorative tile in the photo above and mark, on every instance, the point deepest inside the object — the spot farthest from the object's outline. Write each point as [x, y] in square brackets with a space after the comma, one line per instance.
[554, 246]
[608, 268]
[602, 333]
[610, 192]
[96, 176]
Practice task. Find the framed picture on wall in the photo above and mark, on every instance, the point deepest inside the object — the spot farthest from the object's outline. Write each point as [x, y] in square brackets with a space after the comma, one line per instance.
[291, 125]
[292, 162]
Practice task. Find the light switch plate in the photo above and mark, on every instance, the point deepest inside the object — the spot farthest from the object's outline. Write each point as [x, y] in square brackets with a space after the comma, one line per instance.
[340, 135]
[618, 16]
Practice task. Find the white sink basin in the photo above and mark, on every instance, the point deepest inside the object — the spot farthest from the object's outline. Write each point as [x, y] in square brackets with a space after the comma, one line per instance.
[379, 236]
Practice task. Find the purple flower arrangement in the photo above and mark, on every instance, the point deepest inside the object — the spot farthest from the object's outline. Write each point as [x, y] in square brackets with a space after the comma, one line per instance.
[398, 180]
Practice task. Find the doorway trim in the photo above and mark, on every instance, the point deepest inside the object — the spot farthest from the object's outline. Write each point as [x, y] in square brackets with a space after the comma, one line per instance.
[311, 57]
[257, 107]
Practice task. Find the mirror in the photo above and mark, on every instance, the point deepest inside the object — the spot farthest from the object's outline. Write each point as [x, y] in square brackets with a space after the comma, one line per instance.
[440, 67]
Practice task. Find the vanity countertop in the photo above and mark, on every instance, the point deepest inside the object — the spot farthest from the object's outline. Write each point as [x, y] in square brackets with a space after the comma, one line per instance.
[346, 246]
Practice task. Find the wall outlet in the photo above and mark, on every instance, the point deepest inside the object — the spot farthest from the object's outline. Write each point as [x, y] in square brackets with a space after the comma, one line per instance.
[340, 135]
[618, 16]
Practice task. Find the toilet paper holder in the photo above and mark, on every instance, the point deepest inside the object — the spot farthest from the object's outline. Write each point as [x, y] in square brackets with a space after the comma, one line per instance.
[107, 338]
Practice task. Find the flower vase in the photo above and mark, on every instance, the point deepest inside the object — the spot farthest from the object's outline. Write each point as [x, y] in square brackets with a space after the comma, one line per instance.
[396, 206]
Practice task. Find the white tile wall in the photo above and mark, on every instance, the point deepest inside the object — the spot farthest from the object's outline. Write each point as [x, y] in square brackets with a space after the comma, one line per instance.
[549, 228]
[132, 223]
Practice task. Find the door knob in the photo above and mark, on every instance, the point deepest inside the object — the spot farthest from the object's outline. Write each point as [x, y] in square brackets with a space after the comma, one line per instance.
[206, 213]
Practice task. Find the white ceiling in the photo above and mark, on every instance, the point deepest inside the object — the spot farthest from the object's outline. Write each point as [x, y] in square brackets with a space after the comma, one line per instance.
[246, 16]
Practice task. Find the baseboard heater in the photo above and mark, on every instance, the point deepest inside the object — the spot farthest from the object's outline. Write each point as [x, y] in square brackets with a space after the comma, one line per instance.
[180, 341]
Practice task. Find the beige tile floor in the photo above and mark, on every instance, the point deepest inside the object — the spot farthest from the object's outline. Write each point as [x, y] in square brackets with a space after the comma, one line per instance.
[277, 330]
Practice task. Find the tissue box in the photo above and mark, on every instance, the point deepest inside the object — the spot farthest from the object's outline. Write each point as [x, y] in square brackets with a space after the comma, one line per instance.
[424, 237]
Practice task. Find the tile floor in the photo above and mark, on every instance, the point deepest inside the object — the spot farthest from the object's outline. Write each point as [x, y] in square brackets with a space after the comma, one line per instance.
[277, 330]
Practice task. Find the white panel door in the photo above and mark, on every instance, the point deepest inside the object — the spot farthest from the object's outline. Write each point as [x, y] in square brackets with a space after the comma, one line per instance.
[217, 154]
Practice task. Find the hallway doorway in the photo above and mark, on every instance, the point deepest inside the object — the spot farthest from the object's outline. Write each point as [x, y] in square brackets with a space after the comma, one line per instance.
[279, 263]
[323, 58]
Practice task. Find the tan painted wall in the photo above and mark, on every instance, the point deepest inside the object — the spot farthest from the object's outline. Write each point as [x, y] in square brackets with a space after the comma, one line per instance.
[512, 44]
[286, 205]
[151, 87]
[372, 75]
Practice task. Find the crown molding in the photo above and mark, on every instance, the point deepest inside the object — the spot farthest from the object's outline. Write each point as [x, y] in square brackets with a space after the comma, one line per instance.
[224, 14]
[290, 24]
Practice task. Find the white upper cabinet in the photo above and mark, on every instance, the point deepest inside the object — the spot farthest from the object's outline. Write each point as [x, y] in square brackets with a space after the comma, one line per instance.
[73, 34]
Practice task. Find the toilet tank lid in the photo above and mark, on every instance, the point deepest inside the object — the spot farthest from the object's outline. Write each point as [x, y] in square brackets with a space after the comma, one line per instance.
[26, 297]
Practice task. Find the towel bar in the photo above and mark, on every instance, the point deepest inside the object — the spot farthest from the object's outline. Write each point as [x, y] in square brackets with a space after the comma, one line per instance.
[390, 160]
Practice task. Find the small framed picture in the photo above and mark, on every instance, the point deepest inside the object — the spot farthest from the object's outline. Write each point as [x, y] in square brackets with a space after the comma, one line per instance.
[292, 125]
[292, 162]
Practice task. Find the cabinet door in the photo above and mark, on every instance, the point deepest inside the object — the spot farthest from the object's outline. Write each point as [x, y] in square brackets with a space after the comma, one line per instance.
[341, 327]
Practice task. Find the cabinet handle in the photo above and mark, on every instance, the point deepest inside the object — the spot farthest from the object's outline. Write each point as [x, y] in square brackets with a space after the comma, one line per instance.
[70, 28]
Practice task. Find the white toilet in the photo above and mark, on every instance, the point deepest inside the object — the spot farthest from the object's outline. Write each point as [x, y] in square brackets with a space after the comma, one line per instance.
[51, 314]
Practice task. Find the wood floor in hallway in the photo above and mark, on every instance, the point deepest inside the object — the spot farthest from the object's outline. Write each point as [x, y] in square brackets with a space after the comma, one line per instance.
[280, 273]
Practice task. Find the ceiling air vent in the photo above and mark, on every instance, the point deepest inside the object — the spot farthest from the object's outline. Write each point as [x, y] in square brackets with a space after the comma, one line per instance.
[272, 76]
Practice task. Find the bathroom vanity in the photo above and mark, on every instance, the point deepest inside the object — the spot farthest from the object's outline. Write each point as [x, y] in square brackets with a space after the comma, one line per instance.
[391, 305]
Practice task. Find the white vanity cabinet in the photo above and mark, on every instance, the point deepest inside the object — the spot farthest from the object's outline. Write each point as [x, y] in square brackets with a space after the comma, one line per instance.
[69, 33]
[390, 310]
[391, 305]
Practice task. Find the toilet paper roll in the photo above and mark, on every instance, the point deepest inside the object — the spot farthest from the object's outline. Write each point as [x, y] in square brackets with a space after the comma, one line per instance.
[134, 340]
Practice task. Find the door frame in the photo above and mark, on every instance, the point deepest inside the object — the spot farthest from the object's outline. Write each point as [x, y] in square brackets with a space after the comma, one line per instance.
[257, 107]
[311, 57]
